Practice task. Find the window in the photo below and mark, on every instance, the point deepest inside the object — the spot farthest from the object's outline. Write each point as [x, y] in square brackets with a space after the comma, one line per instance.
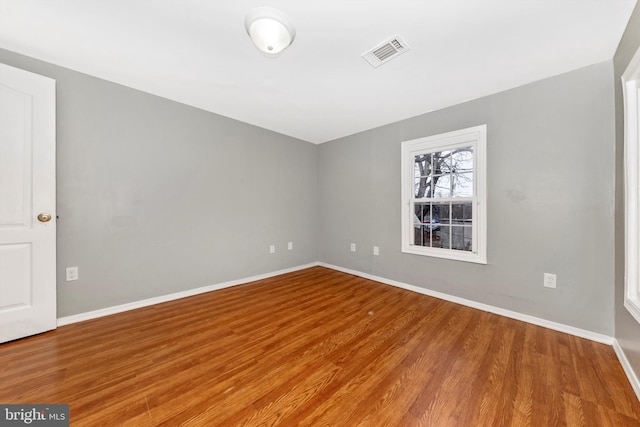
[443, 195]
[631, 87]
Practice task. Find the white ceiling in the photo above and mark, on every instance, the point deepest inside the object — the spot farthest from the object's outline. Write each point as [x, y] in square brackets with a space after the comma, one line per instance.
[197, 52]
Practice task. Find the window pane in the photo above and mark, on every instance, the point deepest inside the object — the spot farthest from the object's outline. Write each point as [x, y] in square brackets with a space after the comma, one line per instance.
[421, 187]
[440, 237]
[461, 238]
[419, 237]
[461, 213]
[422, 165]
[416, 186]
[442, 162]
[417, 170]
[462, 185]
[442, 186]
[421, 212]
[462, 159]
[439, 214]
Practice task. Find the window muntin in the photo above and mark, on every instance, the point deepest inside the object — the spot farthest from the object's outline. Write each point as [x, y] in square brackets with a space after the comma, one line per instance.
[443, 188]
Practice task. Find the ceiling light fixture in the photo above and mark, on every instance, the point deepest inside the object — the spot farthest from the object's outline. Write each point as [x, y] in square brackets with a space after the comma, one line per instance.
[270, 29]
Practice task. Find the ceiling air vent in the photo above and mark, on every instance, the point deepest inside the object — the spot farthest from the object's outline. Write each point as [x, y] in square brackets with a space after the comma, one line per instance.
[386, 51]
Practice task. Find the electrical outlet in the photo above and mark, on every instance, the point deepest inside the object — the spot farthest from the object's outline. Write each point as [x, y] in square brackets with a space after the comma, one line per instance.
[290, 246]
[272, 249]
[549, 280]
[72, 273]
[353, 247]
[376, 250]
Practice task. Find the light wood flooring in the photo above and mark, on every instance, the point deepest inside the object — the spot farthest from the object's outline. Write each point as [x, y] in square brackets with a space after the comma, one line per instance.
[317, 348]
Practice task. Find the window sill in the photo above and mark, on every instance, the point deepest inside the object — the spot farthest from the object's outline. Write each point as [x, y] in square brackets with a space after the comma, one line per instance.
[446, 254]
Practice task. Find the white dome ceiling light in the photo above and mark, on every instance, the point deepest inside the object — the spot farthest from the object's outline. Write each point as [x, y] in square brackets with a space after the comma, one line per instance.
[270, 29]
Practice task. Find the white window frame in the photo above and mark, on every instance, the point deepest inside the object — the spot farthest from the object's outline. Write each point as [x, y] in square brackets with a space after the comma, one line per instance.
[630, 89]
[477, 138]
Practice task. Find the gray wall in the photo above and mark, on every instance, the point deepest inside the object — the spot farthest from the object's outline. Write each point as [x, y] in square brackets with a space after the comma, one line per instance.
[156, 197]
[550, 200]
[627, 330]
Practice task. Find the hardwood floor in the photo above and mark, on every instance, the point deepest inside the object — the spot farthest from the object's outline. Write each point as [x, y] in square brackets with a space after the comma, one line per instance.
[317, 348]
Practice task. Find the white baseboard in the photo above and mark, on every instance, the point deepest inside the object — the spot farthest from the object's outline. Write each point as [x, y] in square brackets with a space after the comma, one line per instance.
[631, 375]
[582, 333]
[170, 297]
[469, 303]
[593, 336]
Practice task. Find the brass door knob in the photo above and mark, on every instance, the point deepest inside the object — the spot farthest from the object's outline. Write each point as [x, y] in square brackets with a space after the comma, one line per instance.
[44, 217]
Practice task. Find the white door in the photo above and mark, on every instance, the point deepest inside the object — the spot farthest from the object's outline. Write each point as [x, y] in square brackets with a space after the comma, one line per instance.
[27, 204]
